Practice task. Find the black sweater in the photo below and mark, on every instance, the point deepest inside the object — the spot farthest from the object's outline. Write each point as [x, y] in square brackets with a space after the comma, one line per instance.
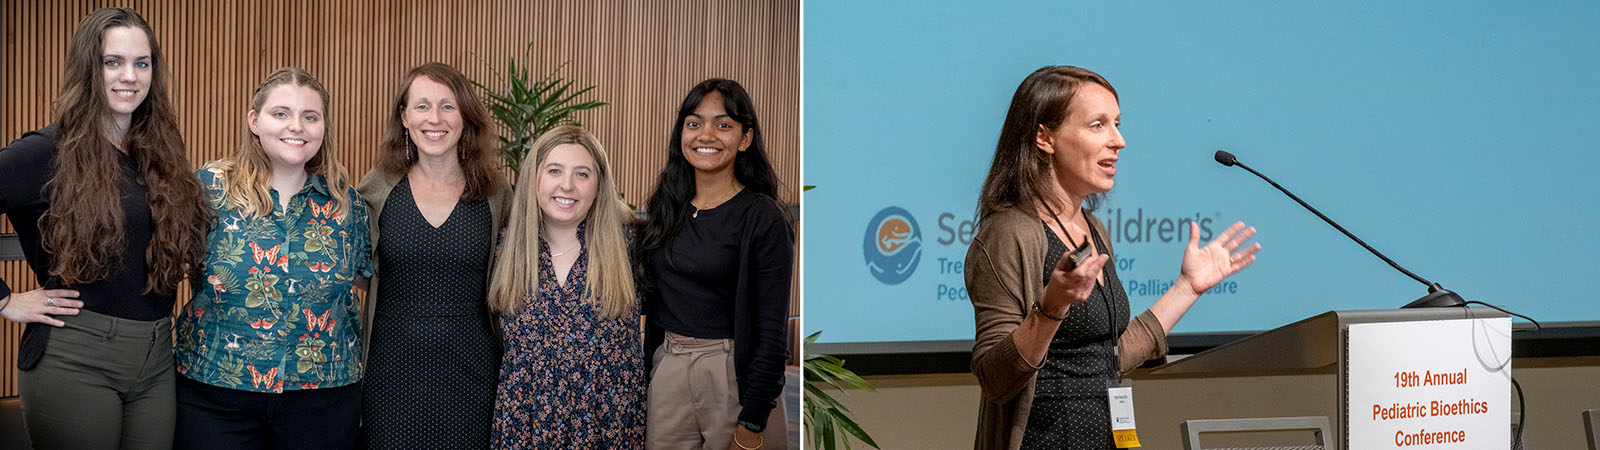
[25, 165]
[729, 277]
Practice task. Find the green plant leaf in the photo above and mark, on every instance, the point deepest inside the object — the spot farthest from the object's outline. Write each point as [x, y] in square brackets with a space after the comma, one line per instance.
[817, 375]
[825, 433]
[825, 416]
[848, 377]
[823, 400]
[851, 427]
[527, 107]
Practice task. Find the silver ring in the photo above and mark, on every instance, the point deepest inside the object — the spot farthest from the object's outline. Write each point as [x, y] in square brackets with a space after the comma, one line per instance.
[49, 301]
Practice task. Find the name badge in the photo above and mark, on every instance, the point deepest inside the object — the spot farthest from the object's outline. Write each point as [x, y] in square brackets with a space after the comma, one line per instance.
[1122, 425]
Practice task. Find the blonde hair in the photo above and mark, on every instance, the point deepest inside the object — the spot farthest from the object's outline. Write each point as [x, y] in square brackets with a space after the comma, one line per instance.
[516, 271]
[246, 172]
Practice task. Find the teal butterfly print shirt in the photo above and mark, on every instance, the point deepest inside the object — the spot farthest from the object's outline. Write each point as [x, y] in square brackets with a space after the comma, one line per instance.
[273, 308]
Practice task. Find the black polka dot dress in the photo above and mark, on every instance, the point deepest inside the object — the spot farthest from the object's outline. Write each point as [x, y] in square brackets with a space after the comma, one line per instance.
[1070, 409]
[435, 360]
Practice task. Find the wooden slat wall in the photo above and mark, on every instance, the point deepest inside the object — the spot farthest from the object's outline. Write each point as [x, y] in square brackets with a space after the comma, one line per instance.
[642, 56]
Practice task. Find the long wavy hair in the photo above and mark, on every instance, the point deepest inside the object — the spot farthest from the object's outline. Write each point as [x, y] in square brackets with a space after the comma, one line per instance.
[246, 173]
[476, 151]
[669, 208]
[516, 271]
[1020, 175]
[83, 227]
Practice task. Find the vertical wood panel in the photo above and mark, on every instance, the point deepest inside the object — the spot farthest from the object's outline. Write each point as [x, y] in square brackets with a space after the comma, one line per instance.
[642, 56]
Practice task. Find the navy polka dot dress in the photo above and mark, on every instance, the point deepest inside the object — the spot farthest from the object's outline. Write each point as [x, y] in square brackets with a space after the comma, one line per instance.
[435, 360]
[1070, 409]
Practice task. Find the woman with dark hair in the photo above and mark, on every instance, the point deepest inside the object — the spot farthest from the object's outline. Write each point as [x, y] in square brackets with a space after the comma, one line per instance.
[718, 342]
[110, 220]
[269, 349]
[1053, 328]
[438, 202]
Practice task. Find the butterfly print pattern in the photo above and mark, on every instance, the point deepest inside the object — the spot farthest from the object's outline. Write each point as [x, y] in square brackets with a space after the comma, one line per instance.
[274, 309]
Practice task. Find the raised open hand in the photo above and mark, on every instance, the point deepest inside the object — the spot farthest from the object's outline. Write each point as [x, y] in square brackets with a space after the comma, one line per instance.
[1206, 266]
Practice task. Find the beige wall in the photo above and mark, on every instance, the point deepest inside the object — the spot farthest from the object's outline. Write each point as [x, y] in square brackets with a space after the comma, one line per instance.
[940, 411]
[642, 56]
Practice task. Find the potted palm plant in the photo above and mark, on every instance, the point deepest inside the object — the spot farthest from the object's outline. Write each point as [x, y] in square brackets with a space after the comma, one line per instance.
[527, 108]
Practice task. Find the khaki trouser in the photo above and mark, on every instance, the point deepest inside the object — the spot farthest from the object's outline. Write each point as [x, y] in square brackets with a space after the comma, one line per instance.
[694, 398]
[103, 382]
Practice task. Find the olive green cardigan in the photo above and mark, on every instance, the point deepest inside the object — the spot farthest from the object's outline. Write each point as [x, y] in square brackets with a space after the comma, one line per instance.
[1003, 270]
[375, 187]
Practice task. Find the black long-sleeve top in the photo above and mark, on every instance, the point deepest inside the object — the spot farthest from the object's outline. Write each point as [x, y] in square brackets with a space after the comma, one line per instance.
[729, 277]
[25, 165]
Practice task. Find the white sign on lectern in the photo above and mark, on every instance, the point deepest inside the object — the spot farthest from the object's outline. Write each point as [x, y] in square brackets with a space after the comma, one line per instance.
[1437, 384]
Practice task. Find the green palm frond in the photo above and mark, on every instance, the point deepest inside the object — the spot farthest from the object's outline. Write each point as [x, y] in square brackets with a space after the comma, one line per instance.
[528, 108]
[824, 416]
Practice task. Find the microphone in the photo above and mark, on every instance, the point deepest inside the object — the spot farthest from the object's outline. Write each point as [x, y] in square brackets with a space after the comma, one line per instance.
[1437, 295]
[1227, 159]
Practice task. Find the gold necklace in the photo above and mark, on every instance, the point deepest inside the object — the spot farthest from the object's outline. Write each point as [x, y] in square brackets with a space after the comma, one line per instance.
[716, 204]
[568, 250]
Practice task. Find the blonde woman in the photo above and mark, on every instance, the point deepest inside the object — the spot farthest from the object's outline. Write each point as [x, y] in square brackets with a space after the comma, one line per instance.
[573, 371]
[269, 349]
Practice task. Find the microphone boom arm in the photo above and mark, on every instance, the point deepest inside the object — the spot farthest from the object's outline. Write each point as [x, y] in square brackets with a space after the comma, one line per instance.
[1437, 295]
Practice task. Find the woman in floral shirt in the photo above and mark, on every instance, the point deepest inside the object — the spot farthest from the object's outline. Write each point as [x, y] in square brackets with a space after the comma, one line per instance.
[573, 371]
[269, 348]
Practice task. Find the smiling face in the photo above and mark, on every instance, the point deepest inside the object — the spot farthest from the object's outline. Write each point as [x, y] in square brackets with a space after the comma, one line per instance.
[711, 139]
[568, 180]
[432, 117]
[290, 124]
[127, 67]
[1083, 149]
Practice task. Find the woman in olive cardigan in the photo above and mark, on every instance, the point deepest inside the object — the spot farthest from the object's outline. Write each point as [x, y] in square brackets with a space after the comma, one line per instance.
[438, 201]
[1051, 330]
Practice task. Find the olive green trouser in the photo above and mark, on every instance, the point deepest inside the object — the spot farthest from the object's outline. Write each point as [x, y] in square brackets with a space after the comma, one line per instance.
[103, 383]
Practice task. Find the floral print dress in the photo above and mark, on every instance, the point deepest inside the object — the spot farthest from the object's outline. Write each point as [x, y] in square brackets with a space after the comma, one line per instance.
[569, 378]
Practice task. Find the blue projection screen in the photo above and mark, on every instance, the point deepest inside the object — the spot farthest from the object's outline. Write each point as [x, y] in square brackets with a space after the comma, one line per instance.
[1460, 138]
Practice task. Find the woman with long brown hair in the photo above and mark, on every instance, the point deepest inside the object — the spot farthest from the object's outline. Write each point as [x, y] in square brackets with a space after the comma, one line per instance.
[438, 202]
[269, 349]
[110, 221]
[1054, 332]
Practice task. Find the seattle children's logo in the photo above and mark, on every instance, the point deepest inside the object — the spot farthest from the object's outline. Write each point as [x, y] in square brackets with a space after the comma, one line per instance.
[893, 245]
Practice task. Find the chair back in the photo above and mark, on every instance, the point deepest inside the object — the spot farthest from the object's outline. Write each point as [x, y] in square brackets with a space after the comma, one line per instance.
[1316, 425]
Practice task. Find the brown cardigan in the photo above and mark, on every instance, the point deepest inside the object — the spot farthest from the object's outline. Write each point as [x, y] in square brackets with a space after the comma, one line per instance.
[1003, 268]
[375, 187]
